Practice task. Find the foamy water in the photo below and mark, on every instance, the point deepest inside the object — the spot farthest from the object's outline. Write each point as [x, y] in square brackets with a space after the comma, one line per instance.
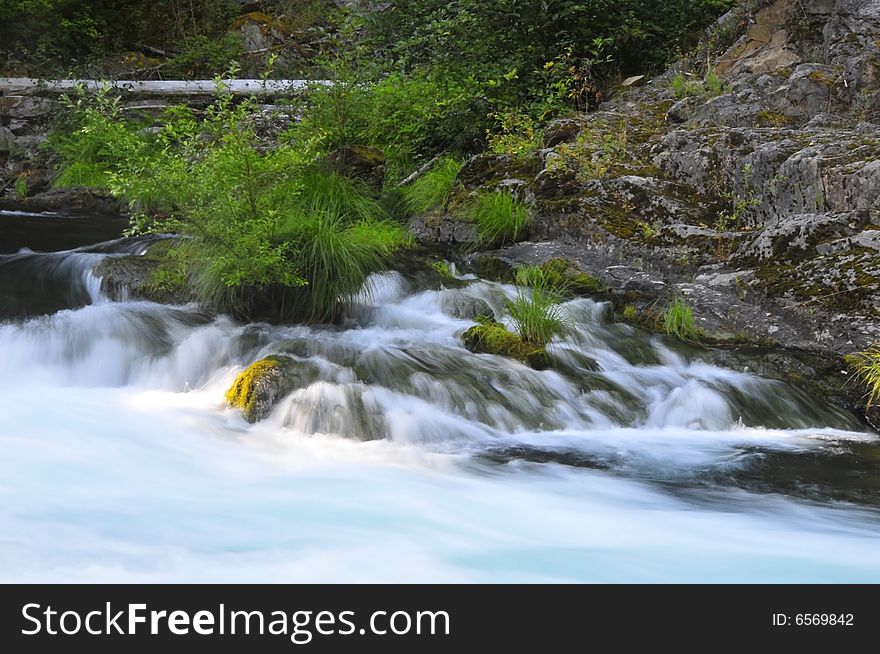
[407, 458]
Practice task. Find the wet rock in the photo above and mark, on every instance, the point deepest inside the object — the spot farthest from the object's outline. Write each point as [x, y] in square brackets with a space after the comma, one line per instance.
[134, 277]
[493, 338]
[630, 281]
[465, 307]
[564, 273]
[69, 200]
[258, 389]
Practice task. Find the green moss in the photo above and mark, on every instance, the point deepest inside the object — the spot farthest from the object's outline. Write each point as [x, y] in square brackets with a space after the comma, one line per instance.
[491, 337]
[562, 273]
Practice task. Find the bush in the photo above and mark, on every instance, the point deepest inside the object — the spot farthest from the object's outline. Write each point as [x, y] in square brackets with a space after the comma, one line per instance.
[511, 42]
[53, 35]
[684, 85]
[500, 219]
[433, 189]
[410, 118]
[92, 139]
[269, 234]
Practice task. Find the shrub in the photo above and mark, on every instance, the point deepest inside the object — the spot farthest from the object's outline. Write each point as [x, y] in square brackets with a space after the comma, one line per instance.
[535, 310]
[93, 139]
[515, 133]
[510, 42]
[678, 321]
[269, 234]
[410, 118]
[500, 218]
[432, 190]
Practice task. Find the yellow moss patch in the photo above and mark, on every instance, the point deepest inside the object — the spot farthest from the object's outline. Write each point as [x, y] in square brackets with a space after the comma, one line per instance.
[249, 390]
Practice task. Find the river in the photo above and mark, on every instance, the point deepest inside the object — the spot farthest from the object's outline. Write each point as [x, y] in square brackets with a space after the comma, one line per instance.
[404, 458]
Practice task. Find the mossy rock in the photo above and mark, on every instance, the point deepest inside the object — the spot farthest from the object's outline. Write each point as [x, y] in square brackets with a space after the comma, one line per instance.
[492, 338]
[494, 269]
[258, 389]
[154, 276]
[564, 273]
[362, 162]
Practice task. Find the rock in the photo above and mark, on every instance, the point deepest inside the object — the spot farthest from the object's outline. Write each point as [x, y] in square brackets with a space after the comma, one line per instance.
[633, 80]
[465, 307]
[7, 140]
[493, 338]
[556, 182]
[258, 389]
[441, 227]
[493, 268]
[797, 235]
[360, 162]
[683, 110]
[812, 89]
[628, 280]
[564, 273]
[134, 277]
[561, 130]
[70, 200]
[25, 107]
[486, 171]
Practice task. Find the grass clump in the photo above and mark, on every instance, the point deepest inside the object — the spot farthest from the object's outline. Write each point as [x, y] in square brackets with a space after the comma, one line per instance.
[535, 310]
[433, 189]
[678, 321]
[686, 85]
[500, 218]
[866, 369]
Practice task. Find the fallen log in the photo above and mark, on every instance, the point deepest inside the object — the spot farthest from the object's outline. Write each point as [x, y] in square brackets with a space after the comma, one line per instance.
[147, 88]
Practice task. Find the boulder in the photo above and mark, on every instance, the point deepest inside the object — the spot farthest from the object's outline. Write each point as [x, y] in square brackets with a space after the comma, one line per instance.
[261, 385]
[493, 338]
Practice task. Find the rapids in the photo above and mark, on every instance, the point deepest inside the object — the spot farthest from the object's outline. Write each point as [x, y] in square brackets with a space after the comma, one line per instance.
[408, 458]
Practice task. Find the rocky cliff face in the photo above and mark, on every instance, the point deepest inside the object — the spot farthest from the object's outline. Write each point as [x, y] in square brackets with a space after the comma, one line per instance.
[747, 181]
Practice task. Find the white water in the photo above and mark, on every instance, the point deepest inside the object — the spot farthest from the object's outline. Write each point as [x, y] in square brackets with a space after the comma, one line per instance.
[403, 461]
